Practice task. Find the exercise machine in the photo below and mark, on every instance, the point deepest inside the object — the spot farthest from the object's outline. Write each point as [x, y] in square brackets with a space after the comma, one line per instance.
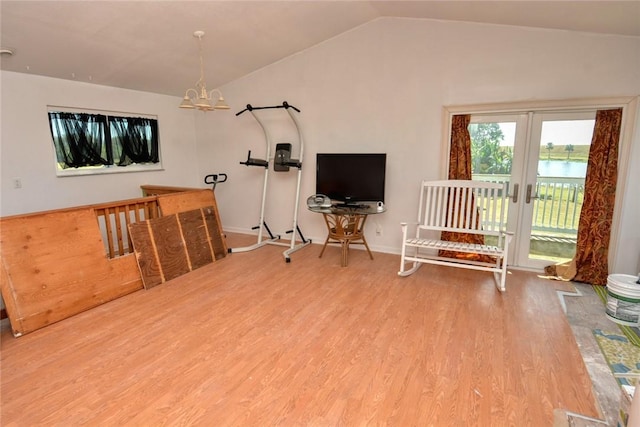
[282, 162]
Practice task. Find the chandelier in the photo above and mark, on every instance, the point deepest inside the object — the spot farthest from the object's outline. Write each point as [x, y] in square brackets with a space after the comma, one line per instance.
[199, 97]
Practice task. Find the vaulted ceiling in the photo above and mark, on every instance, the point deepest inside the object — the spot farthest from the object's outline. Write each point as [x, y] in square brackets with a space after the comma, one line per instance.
[149, 45]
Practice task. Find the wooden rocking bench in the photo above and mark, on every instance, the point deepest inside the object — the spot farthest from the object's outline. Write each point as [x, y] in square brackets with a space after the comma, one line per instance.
[459, 206]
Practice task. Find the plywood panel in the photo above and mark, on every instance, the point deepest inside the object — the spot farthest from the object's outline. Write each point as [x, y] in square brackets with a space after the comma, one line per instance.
[186, 201]
[191, 200]
[56, 266]
[170, 246]
[196, 237]
[155, 190]
[148, 262]
[173, 245]
[218, 242]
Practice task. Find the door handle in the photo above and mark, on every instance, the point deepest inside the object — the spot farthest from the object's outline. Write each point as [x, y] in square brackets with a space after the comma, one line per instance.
[514, 196]
[529, 196]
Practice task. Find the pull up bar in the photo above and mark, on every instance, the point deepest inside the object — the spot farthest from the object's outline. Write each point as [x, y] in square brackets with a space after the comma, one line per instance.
[285, 104]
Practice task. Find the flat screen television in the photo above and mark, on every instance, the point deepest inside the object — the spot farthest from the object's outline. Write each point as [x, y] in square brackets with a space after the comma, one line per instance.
[351, 178]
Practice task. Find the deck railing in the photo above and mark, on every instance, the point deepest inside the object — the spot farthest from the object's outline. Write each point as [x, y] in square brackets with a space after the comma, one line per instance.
[556, 210]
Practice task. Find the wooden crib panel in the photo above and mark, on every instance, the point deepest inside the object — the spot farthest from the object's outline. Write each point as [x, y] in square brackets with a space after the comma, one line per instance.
[56, 266]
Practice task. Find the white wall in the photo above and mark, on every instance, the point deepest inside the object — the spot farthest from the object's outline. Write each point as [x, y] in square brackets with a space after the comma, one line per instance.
[27, 148]
[381, 88]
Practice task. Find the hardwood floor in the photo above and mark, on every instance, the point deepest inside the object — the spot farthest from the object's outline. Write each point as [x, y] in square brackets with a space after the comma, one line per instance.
[252, 340]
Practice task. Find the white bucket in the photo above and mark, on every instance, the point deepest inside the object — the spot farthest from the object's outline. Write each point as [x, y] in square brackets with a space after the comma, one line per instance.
[623, 299]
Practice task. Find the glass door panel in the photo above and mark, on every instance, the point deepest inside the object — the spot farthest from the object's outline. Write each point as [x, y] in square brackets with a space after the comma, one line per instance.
[554, 189]
[498, 155]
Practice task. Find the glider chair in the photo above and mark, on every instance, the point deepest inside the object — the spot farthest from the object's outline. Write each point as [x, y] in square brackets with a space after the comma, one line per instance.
[345, 229]
[461, 223]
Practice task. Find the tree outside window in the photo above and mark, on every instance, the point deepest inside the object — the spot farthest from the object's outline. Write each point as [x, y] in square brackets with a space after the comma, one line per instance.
[487, 154]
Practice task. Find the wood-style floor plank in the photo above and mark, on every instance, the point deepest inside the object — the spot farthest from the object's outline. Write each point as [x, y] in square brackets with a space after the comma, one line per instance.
[252, 340]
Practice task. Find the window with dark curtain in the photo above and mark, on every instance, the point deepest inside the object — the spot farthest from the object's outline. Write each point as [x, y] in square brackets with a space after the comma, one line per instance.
[80, 139]
[135, 140]
[90, 140]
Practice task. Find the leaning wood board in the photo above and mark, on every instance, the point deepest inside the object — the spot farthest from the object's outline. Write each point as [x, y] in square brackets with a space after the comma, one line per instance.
[192, 200]
[54, 265]
[186, 201]
[173, 245]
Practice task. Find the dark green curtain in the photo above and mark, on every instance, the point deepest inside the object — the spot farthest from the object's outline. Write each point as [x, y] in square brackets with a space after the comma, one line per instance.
[79, 139]
[135, 140]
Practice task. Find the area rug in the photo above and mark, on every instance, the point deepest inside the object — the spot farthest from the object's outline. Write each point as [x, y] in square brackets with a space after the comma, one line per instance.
[631, 332]
[622, 356]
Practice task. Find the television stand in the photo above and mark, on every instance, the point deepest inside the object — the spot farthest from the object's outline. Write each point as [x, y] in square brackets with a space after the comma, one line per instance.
[345, 226]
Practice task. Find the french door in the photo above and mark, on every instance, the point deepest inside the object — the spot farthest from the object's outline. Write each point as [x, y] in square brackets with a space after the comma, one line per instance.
[542, 156]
